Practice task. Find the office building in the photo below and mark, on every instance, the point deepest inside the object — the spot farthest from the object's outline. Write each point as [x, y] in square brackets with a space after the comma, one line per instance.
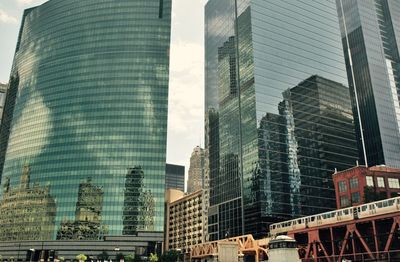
[278, 112]
[196, 170]
[31, 206]
[3, 92]
[371, 39]
[88, 98]
[184, 220]
[175, 177]
[360, 185]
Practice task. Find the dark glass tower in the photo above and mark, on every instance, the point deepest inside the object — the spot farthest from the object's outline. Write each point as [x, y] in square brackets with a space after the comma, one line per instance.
[175, 177]
[371, 40]
[88, 99]
[278, 115]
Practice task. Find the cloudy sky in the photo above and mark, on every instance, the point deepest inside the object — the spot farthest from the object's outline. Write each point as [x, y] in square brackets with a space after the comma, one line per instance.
[185, 123]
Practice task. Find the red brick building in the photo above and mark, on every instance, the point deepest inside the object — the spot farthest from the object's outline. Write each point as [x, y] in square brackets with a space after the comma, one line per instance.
[360, 185]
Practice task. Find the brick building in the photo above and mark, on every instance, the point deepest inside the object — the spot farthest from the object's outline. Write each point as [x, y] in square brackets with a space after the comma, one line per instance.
[360, 185]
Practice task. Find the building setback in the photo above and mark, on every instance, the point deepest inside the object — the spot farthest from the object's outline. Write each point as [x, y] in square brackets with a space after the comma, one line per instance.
[278, 113]
[3, 92]
[360, 185]
[88, 98]
[371, 39]
[196, 170]
[175, 177]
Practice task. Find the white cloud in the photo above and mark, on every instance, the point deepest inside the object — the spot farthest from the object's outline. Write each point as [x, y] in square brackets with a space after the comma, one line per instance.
[186, 88]
[6, 18]
[186, 99]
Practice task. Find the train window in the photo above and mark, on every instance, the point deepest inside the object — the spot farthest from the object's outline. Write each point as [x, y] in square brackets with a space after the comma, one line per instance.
[379, 204]
[398, 201]
[299, 221]
[312, 219]
[346, 211]
[385, 203]
[364, 208]
[340, 213]
[391, 202]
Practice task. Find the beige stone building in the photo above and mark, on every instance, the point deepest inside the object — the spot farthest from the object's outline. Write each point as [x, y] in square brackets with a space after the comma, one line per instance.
[196, 170]
[184, 223]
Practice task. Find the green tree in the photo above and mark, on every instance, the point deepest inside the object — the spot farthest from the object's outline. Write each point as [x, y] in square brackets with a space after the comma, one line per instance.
[169, 256]
[119, 256]
[103, 256]
[81, 257]
[153, 257]
[133, 258]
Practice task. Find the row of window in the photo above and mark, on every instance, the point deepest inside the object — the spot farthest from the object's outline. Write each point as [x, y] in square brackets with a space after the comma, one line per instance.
[393, 183]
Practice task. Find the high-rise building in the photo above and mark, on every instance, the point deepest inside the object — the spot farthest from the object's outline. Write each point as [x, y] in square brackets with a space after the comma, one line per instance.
[3, 92]
[278, 113]
[196, 170]
[371, 39]
[175, 177]
[88, 97]
[184, 220]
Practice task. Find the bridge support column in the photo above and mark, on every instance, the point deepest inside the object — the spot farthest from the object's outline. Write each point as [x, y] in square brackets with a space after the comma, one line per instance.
[315, 244]
[396, 222]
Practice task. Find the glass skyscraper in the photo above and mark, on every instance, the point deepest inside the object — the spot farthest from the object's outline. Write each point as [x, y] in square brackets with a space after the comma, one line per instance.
[278, 112]
[371, 40]
[175, 177]
[86, 118]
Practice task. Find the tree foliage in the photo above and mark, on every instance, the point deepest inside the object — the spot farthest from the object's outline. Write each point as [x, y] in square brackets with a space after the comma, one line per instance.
[81, 257]
[103, 256]
[153, 258]
[169, 256]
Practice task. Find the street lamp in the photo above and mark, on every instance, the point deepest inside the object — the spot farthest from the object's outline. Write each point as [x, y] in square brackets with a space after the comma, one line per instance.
[179, 254]
[32, 253]
[116, 249]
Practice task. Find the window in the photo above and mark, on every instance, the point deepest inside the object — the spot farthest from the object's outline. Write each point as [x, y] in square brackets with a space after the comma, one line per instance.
[354, 183]
[355, 198]
[342, 186]
[393, 183]
[381, 182]
[344, 201]
[370, 181]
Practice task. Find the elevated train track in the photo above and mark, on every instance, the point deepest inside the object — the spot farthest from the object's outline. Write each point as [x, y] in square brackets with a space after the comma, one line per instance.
[368, 232]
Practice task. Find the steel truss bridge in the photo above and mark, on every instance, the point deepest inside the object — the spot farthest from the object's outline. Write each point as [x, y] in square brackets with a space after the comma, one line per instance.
[375, 238]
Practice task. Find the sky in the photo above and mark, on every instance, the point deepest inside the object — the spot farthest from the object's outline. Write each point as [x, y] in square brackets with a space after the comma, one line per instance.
[186, 99]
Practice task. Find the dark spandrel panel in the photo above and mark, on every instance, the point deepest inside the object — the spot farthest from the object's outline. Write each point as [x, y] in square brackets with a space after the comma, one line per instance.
[89, 99]
[175, 177]
[283, 120]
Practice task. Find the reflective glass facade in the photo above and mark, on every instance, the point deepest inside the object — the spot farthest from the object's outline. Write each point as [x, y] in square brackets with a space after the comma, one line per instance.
[371, 38]
[278, 112]
[175, 177]
[87, 116]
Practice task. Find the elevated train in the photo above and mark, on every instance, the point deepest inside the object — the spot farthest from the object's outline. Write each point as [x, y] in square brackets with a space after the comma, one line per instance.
[386, 206]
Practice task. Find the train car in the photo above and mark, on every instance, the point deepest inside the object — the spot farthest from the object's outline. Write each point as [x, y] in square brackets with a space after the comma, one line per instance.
[379, 208]
[341, 215]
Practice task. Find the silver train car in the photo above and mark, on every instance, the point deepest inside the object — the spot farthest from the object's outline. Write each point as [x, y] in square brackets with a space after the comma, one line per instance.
[386, 206]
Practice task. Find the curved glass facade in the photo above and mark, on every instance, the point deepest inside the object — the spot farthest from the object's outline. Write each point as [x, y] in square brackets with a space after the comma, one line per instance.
[87, 119]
